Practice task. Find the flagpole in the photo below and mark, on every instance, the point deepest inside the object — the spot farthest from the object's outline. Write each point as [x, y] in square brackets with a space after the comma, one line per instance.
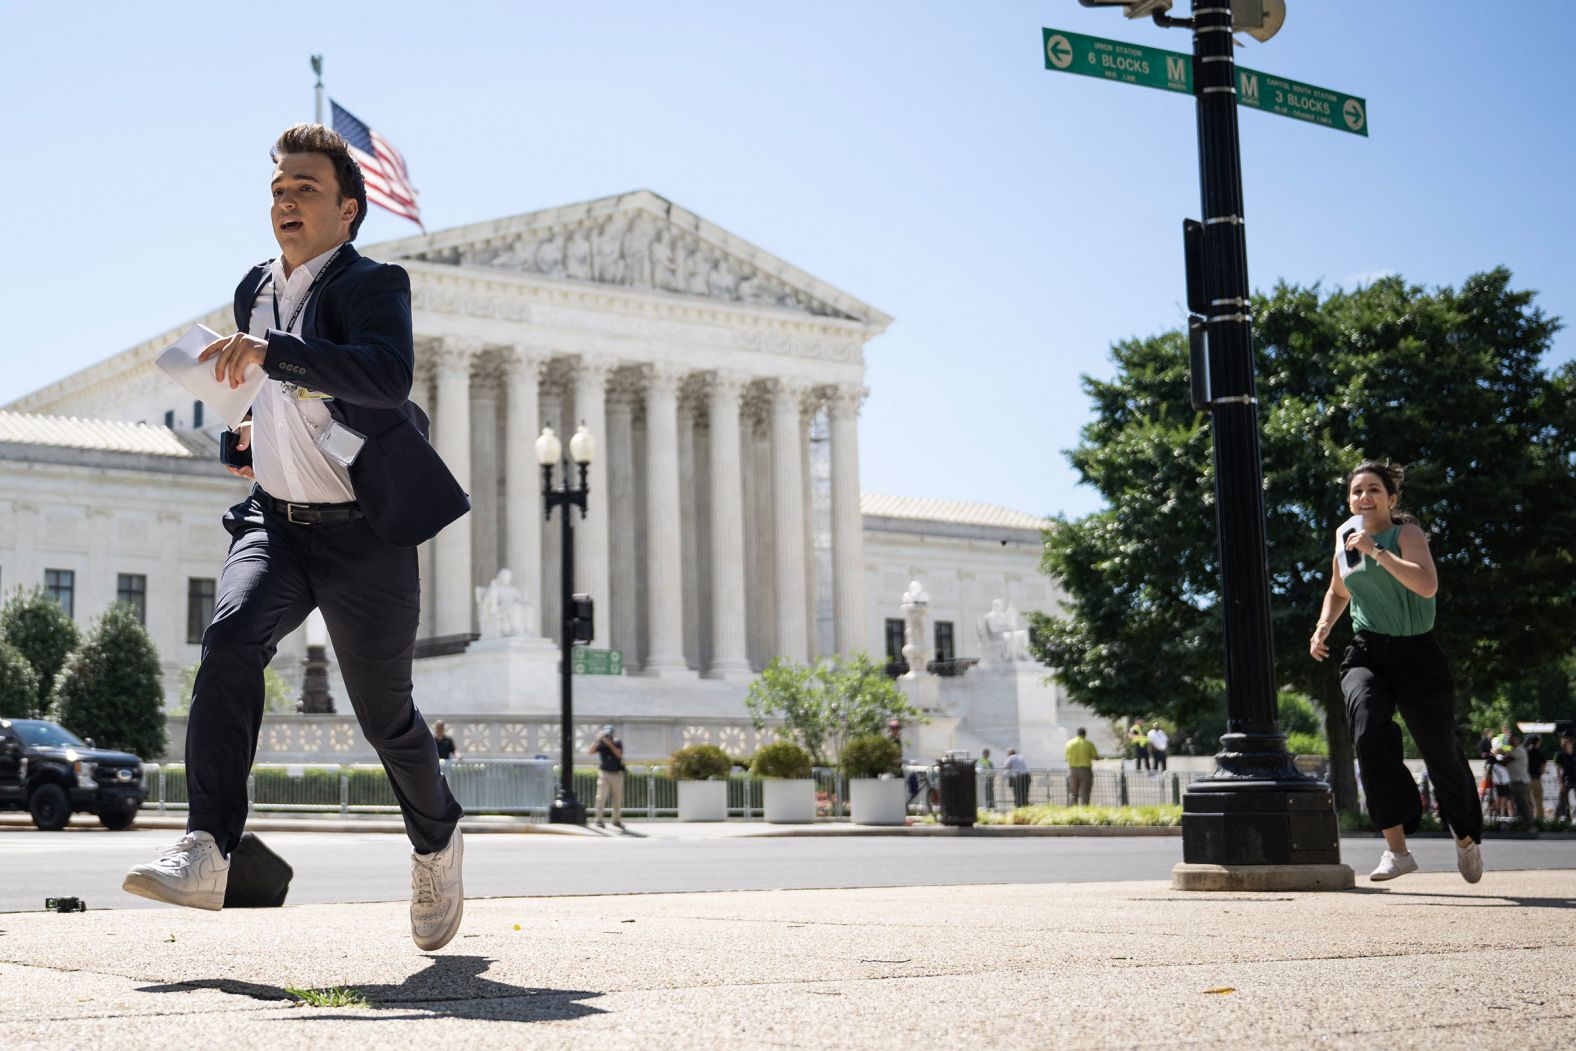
[317, 67]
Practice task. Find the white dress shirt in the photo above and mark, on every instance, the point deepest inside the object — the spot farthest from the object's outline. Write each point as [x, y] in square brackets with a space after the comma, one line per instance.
[285, 462]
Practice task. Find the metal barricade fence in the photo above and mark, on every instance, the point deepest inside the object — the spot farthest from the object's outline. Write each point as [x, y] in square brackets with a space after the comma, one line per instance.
[527, 787]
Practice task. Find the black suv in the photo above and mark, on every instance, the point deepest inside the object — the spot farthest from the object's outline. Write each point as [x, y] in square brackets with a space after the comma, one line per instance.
[48, 771]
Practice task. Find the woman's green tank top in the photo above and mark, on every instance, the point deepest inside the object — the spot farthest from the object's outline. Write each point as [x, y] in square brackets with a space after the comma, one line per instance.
[1382, 603]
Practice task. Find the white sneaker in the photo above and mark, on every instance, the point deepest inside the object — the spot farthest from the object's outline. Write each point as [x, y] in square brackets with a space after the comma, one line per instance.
[437, 895]
[1469, 860]
[192, 873]
[1393, 865]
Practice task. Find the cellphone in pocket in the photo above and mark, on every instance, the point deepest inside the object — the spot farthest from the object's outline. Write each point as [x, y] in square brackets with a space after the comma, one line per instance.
[231, 456]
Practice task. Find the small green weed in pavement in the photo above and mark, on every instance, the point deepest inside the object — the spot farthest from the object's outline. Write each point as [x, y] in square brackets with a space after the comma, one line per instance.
[1118, 816]
[343, 996]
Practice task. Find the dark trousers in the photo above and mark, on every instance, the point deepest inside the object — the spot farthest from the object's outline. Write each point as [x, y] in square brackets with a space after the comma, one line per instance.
[1157, 758]
[1020, 789]
[1383, 674]
[370, 595]
[1140, 757]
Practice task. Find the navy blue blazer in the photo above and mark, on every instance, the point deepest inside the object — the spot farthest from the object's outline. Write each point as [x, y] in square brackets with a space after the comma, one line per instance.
[356, 345]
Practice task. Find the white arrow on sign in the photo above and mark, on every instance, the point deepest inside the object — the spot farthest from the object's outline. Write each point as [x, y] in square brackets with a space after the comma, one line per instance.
[1059, 51]
[1353, 113]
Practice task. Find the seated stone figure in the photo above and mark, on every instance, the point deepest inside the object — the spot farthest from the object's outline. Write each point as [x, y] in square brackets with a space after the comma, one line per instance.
[501, 609]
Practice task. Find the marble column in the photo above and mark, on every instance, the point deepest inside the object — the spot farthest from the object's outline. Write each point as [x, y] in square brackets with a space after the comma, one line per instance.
[808, 410]
[422, 394]
[453, 603]
[664, 551]
[729, 650]
[483, 519]
[591, 532]
[788, 520]
[623, 618]
[848, 532]
[689, 535]
[522, 546]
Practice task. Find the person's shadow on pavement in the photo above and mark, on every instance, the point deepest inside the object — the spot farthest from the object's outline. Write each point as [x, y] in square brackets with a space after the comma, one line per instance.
[452, 986]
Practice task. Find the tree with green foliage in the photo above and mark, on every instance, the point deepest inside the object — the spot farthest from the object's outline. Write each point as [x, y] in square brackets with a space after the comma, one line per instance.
[111, 689]
[827, 702]
[278, 697]
[33, 623]
[1447, 382]
[18, 683]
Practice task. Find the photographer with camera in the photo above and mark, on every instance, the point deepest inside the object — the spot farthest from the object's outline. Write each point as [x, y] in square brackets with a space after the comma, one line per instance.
[609, 751]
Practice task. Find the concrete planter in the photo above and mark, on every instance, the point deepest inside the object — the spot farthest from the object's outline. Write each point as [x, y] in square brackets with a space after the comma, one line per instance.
[790, 802]
[878, 801]
[703, 800]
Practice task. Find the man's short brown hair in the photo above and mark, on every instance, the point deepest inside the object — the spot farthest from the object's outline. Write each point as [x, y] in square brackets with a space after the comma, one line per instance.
[314, 138]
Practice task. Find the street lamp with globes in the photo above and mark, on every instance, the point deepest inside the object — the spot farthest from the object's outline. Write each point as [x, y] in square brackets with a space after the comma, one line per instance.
[577, 614]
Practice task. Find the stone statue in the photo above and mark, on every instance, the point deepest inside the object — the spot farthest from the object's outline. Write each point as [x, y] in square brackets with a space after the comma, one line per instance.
[502, 610]
[1003, 636]
[916, 603]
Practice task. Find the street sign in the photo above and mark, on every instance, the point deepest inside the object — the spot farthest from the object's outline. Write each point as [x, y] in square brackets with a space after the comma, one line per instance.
[597, 662]
[1151, 67]
[1093, 56]
[1290, 98]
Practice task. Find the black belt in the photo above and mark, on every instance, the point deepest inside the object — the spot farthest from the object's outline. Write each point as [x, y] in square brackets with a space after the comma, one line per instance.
[313, 514]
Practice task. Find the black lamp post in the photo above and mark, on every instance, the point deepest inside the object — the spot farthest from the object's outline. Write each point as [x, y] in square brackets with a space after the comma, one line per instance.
[1256, 808]
[576, 625]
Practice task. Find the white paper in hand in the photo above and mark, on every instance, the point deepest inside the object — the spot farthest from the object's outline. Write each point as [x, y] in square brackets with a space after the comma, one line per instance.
[179, 362]
[1348, 560]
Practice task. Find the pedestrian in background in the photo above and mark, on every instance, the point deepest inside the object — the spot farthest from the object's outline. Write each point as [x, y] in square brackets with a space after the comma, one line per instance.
[1537, 762]
[1158, 743]
[609, 750]
[1081, 754]
[1514, 758]
[1140, 742]
[1385, 572]
[447, 749]
[1565, 760]
[987, 771]
[1018, 778]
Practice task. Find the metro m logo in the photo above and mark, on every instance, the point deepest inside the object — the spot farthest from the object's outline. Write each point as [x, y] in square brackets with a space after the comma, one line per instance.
[1176, 69]
[1248, 88]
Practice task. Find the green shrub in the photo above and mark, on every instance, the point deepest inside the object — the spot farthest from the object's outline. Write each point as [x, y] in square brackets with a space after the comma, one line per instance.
[42, 632]
[1299, 743]
[871, 756]
[111, 688]
[1123, 816]
[781, 759]
[700, 762]
[18, 684]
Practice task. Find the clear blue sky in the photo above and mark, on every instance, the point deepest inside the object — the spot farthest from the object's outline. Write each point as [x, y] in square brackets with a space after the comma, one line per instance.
[916, 154]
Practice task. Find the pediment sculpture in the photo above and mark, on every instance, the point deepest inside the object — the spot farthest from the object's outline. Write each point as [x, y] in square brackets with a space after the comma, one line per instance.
[637, 250]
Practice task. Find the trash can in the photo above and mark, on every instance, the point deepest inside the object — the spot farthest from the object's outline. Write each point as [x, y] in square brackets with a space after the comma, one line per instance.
[959, 791]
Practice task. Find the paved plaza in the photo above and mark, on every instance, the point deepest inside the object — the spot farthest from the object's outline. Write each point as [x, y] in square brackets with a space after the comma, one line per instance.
[1427, 961]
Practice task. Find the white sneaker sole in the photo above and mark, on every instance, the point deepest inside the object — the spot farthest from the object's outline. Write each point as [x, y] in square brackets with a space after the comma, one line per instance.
[145, 886]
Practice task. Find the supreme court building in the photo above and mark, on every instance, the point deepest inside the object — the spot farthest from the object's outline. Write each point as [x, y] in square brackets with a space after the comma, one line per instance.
[725, 524]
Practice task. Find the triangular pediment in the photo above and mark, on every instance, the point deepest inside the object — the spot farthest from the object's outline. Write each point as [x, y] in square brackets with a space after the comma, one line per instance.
[636, 240]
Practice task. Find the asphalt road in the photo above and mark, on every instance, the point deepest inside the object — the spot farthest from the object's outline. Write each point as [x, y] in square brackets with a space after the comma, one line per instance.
[340, 867]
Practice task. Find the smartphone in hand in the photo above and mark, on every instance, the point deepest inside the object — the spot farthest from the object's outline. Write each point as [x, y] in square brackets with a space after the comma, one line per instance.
[230, 455]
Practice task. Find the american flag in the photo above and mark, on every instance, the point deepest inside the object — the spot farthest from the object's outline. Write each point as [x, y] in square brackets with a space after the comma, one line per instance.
[388, 183]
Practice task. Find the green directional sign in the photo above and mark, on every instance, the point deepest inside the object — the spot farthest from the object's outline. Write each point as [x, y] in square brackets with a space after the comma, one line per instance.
[1289, 98]
[1094, 56]
[597, 662]
[1151, 67]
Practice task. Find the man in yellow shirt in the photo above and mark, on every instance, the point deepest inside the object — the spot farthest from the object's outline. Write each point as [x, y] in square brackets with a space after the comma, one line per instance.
[1081, 754]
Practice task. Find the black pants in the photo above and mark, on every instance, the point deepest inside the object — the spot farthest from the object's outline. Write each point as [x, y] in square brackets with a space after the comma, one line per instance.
[1020, 789]
[1157, 758]
[370, 595]
[1381, 674]
[1140, 757]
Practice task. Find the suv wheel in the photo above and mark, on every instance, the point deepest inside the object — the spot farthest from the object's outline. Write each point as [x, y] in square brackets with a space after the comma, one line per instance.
[50, 807]
[118, 820]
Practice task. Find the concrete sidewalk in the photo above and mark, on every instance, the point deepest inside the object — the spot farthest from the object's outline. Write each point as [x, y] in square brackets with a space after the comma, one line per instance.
[1425, 961]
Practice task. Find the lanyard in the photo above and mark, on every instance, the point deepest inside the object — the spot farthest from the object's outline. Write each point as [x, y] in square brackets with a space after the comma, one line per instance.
[301, 305]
